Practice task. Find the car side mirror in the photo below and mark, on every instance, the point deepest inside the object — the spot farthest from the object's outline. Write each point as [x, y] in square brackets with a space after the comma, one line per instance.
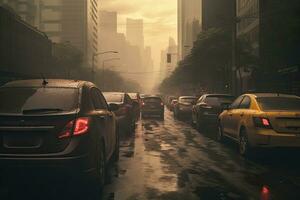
[113, 107]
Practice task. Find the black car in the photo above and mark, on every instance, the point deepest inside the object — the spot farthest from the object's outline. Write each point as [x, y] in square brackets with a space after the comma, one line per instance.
[208, 108]
[183, 107]
[125, 114]
[59, 126]
[153, 105]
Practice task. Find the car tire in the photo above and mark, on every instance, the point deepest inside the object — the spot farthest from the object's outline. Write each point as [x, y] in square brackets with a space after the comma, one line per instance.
[117, 149]
[244, 146]
[199, 125]
[97, 183]
[219, 135]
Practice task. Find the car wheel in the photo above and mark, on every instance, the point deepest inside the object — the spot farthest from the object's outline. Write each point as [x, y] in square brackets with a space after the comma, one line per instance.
[199, 125]
[117, 149]
[220, 136]
[244, 146]
[97, 184]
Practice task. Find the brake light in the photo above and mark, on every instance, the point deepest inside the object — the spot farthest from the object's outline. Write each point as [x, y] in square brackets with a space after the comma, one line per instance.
[162, 104]
[143, 103]
[79, 126]
[262, 122]
[265, 193]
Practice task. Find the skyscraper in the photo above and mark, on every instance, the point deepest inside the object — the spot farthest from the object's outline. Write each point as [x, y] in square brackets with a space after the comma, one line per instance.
[108, 21]
[135, 32]
[189, 24]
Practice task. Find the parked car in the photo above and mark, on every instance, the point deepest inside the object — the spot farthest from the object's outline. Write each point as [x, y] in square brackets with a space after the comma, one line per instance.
[173, 104]
[125, 114]
[137, 103]
[153, 105]
[183, 108]
[169, 100]
[262, 120]
[57, 125]
[208, 108]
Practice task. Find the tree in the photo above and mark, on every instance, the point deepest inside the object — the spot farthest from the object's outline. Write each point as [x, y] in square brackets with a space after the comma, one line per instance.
[208, 65]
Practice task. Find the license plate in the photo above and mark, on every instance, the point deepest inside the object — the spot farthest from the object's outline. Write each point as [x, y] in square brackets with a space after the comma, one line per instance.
[21, 141]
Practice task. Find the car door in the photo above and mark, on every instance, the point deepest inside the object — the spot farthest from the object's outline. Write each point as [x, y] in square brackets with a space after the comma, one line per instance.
[102, 118]
[228, 119]
[239, 114]
[111, 123]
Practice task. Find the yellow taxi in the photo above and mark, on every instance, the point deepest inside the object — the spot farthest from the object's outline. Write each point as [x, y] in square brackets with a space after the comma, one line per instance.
[262, 120]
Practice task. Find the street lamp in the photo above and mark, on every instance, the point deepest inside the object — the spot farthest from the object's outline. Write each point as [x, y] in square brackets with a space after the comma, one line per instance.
[103, 67]
[93, 61]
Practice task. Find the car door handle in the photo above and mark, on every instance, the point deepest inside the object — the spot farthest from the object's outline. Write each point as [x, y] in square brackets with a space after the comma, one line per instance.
[230, 115]
[242, 114]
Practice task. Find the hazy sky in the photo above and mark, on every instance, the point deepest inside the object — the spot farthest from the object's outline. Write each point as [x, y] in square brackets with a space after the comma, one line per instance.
[160, 20]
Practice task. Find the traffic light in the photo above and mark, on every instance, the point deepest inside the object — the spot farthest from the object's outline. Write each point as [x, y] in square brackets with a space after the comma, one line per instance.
[169, 58]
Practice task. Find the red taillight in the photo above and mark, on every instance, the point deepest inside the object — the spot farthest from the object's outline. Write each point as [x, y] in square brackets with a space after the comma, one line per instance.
[265, 122]
[143, 103]
[265, 193]
[262, 122]
[79, 126]
[162, 104]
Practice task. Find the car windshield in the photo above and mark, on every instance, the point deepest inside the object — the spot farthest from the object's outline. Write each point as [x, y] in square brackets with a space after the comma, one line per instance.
[114, 97]
[152, 100]
[279, 103]
[187, 100]
[18, 100]
[218, 100]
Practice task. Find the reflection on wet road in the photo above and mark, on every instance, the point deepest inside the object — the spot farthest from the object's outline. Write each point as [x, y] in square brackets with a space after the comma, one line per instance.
[169, 160]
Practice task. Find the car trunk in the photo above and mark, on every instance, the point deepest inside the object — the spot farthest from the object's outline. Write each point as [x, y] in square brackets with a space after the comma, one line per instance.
[33, 134]
[285, 122]
[152, 104]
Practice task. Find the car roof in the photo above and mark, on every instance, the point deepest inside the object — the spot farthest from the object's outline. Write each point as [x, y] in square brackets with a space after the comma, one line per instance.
[224, 95]
[120, 93]
[258, 95]
[152, 96]
[63, 83]
[187, 97]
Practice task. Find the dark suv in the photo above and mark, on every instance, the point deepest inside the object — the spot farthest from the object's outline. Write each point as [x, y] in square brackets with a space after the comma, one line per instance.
[59, 125]
[153, 105]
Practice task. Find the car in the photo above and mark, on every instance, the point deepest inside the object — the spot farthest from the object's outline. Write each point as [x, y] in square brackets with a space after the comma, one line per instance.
[169, 100]
[125, 114]
[183, 108]
[153, 105]
[207, 109]
[173, 104]
[262, 120]
[137, 103]
[57, 125]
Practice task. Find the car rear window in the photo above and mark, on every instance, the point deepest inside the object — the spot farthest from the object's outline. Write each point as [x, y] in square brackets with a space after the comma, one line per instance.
[279, 103]
[114, 97]
[133, 95]
[218, 100]
[16, 100]
[187, 100]
[152, 100]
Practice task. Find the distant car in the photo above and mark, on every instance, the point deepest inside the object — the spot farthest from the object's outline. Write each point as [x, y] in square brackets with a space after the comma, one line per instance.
[137, 104]
[262, 121]
[173, 104]
[169, 100]
[60, 125]
[208, 108]
[183, 108]
[153, 105]
[125, 114]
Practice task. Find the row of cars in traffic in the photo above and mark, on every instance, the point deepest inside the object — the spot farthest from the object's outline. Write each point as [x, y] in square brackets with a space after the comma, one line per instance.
[65, 126]
[254, 121]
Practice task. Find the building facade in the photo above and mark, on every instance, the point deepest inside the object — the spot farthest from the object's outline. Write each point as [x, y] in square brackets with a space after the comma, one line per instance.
[189, 25]
[135, 32]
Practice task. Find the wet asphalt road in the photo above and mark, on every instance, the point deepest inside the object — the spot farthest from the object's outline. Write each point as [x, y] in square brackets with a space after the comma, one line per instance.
[169, 160]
